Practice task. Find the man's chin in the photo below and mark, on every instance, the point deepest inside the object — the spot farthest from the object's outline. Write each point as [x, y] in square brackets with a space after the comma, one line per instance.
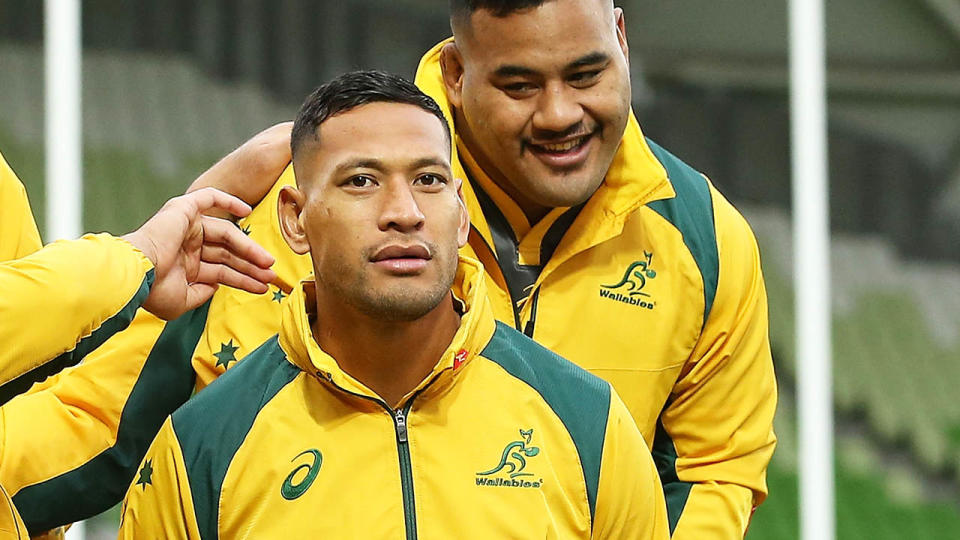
[572, 194]
[401, 304]
[558, 188]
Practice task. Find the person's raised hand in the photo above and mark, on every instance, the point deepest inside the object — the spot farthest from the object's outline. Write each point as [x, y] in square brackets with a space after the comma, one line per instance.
[193, 253]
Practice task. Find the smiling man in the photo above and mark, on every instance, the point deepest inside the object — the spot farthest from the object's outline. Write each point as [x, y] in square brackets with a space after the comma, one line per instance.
[609, 250]
[391, 399]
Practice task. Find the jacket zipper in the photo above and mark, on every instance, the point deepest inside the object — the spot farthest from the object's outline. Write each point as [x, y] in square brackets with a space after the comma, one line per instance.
[532, 321]
[399, 417]
[406, 471]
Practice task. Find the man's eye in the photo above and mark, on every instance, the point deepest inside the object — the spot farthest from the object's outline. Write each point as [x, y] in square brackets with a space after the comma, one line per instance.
[519, 88]
[585, 76]
[430, 180]
[360, 181]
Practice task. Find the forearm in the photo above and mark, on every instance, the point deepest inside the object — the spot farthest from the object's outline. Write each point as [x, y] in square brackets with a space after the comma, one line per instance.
[251, 170]
[57, 300]
[97, 420]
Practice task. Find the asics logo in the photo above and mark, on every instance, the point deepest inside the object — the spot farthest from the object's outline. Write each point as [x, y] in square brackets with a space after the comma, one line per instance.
[290, 490]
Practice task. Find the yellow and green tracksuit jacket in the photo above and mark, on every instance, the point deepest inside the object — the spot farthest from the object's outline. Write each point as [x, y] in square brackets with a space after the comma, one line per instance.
[18, 232]
[503, 439]
[11, 526]
[55, 307]
[130, 384]
[654, 285]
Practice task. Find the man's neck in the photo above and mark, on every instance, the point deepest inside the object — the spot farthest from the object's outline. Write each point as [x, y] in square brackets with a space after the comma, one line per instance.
[389, 357]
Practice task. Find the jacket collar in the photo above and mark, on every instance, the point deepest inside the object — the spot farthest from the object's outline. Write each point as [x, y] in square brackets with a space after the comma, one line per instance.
[476, 328]
[635, 178]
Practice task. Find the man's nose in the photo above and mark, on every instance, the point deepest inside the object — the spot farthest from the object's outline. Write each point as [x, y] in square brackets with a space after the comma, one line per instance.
[557, 110]
[401, 211]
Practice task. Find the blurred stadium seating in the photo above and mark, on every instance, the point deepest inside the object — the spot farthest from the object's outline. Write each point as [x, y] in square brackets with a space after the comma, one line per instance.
[896, 370]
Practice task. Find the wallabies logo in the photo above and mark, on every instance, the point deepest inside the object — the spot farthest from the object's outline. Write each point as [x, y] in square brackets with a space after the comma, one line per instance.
[513, 461]
[635, 278]
[513, 456]
[630, 288]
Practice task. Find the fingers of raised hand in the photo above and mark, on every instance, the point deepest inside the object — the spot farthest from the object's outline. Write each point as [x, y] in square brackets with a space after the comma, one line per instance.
[198, 293]
[210, 198]
[224, 233]
[214, 272]
[221, 255]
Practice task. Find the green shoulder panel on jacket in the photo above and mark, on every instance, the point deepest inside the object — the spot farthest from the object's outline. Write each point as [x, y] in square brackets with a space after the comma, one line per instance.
[165, 382]
[581, 400]
[691, 212]
[248, 386]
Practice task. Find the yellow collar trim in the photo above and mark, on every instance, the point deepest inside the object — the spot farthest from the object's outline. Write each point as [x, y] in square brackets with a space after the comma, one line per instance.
[477, 325]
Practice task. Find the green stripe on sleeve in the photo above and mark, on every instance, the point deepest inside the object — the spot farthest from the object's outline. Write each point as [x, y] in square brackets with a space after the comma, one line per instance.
[691, 212]
[108, 328]
[165, 382]
[580, 399]
[116, 323]
[210, 433]
[675, 491]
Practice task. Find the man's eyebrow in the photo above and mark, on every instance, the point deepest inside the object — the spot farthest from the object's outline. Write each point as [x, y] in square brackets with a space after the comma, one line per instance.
[592, 59]
[589, 60]
[430, 162]
[360, 163]
[509, 70]
[376, 164]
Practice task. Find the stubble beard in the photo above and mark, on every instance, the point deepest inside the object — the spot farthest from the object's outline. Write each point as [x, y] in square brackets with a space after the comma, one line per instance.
[399, 301]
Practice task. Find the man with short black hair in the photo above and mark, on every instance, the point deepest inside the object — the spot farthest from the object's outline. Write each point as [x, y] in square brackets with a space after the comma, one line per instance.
[607, 249]
[391, 399]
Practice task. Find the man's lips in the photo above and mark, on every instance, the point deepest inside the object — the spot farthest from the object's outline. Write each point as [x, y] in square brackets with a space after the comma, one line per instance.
[562, 153]
[399, 259]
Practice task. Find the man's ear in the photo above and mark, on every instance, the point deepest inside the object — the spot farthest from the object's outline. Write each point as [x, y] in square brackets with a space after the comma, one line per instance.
[622, 33]
[451, 64]
[463, 231]
[290, 211]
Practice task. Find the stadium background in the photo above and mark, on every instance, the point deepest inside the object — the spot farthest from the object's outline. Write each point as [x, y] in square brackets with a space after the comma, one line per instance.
[170, 86]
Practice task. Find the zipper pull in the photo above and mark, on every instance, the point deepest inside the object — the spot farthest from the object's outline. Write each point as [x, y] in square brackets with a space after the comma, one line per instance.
[401, 421]
[528, 329]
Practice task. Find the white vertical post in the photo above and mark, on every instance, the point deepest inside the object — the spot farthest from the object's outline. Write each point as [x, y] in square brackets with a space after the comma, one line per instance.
[64, 147]
[64, 168]
[811, 240]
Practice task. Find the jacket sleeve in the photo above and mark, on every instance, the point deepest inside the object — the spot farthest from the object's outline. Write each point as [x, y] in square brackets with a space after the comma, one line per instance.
[18, 232]
[98, 420]
[100, 417]
[159, 503]
[630, 501]
[715, 436]
[56, 308]
[11, 526]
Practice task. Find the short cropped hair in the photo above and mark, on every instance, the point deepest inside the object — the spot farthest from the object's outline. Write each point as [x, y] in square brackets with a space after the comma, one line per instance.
[462, 9]
[351, 90]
